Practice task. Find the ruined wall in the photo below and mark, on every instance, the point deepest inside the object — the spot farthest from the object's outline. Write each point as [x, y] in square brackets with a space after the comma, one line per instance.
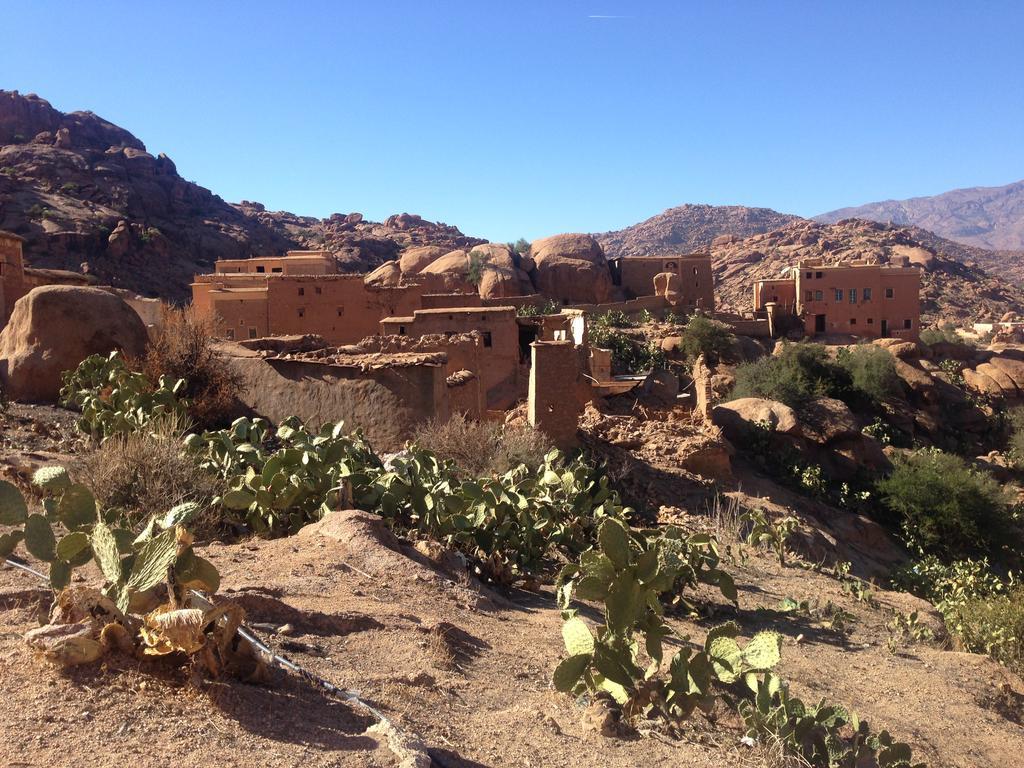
[447, 300]
[386, 402]
[500, 350]
[11, 274]
[696, 280]
[557, 391]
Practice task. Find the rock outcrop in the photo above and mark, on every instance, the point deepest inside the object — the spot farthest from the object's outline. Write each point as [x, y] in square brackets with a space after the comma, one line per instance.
[54, 328]
[571, 268]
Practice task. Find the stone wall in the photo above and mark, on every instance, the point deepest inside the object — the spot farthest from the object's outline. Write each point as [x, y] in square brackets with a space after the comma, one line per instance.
[386, 399]
[558, 392]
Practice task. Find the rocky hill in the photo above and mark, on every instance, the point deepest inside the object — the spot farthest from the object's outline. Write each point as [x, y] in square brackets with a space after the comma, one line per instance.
[951, 288]
[986, 217]
[689, 228]
[87, 196]
[359, 244]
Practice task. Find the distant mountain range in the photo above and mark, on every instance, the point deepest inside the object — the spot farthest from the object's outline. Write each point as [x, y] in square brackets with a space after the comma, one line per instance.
[986, 217]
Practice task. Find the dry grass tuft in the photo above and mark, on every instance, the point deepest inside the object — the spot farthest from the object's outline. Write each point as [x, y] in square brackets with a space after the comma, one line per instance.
[147, 472]
[484, 448]
[726, 516]
[181, 347]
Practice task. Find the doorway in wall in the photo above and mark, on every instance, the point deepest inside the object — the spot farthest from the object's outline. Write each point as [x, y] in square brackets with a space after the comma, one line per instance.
[819, 323]
[885, 329]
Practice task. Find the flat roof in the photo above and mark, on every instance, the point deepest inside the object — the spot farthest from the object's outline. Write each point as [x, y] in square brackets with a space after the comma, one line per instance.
[464, 310]
[11, 236]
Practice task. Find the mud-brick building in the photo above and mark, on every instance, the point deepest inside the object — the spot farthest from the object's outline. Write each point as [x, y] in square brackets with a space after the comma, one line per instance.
[857, 298]
[298, 293]
[500, 353]
[695, 283]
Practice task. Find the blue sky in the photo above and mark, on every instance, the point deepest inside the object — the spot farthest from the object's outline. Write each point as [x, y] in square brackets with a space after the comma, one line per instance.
[528, 118]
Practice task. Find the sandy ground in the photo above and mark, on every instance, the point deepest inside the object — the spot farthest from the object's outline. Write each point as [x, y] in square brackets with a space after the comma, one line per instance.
[465, 669]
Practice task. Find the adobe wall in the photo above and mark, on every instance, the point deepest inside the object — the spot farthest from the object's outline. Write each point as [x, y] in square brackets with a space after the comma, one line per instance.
[11, 274]
[557, 391]
[464, 355]
[448, 300]
[386, 402]
[779, 291]
[696, 280]
[292, 263]
[500, 351]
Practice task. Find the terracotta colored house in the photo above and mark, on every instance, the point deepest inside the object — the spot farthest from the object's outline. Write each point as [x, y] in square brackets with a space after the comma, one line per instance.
[301, 292]
[499, 355]
[635, 275]
[859, 298]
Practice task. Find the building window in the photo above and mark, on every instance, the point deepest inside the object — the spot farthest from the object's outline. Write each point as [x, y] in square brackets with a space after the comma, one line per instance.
[819, 275]
[318, 290]
[302, 291]
[302, 312]
[261, 269]
[341, 311]
[853, 295]
[818, 295]
[276, 269]
[241, 322]
[487, 338]
[871, 321]
[808, 295]
[867, 294]
[889, 293]
[252, 333]
[839, 294]
[809, 275]
[853, 321]
[694, 270]
[907, 324]
[401, 330]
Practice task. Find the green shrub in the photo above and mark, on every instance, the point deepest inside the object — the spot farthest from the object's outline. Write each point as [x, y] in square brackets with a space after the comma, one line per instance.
[521, 247]
[704, 336]
[475, 271]
[993, 625]
[549, 307]
[945, 332]
[629, 355]
[860, 377]
[945, 508]
[872, 371]
[614, 319]
[1015, 444]
[800, 372]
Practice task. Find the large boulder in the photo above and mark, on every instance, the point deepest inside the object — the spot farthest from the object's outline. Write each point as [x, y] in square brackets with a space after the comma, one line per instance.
[388, 273]
[54, 328]
[499, 275]
[572, 268]
[415, 260]
[825, 419]
[736, 417]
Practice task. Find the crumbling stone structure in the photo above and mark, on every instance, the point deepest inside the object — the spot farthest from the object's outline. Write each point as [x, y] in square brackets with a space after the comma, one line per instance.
[558, 391]
[499, 353]
[688, 279]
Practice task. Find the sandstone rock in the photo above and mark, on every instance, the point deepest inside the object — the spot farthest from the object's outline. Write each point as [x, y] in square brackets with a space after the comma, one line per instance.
[572, 268]
[951, 350]
[919, 381]
[825, 419]
[1000, 376]
[905, 350]
[388, 273]
[668, 285]
[737, 416]
[499, 276]
[414, 260]
[54, 328]
[1013, 369]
